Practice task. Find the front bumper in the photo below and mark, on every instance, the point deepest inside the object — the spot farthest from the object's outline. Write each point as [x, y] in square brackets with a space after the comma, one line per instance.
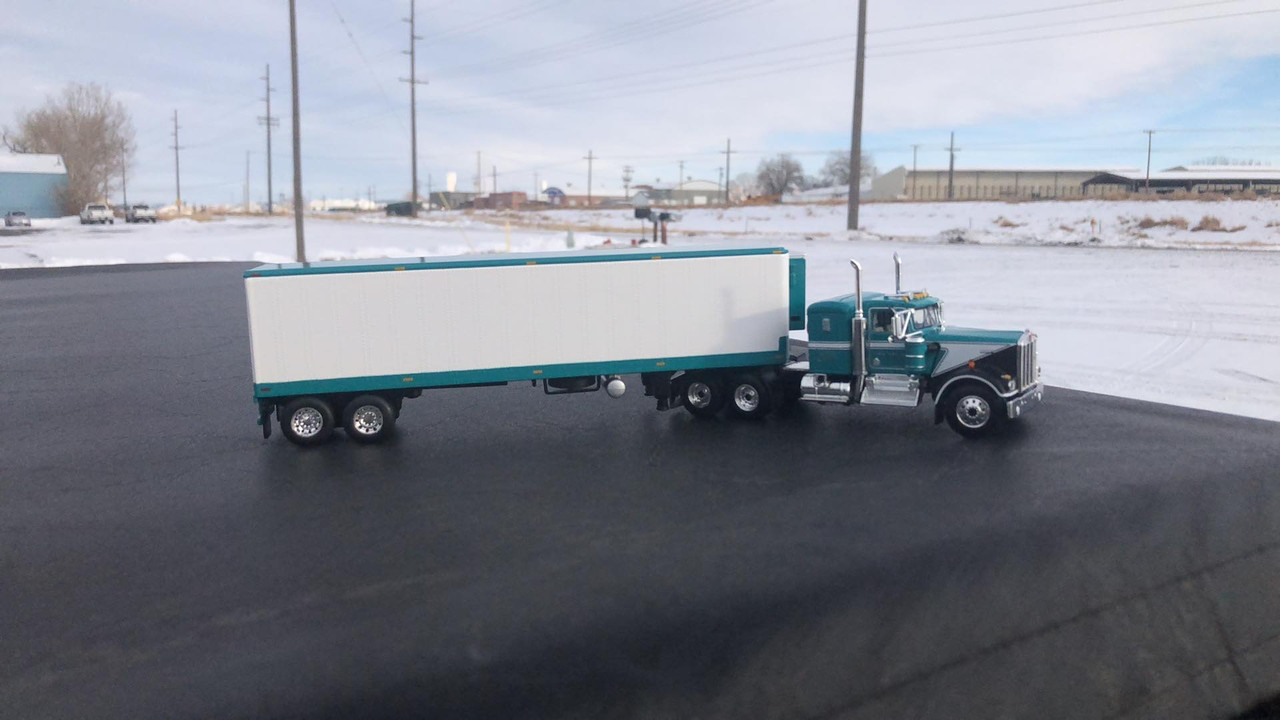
[1019, 404]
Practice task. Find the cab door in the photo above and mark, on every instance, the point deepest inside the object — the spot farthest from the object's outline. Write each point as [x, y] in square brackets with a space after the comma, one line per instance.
[884, 354]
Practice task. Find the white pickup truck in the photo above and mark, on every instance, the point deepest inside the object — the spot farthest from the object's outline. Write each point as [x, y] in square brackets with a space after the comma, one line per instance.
[96, 213]
[140, 212]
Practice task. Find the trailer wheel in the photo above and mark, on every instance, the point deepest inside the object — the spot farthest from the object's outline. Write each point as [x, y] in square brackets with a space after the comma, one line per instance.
[750, 396]
[307, 421]
[369, 419]
[703, 394]
[973, 410]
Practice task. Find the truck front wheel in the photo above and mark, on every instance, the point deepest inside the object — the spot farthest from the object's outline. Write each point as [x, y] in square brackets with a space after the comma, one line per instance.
[703, 394]
[307, 421]
[751, 398]
[973, 410]
[369, 419]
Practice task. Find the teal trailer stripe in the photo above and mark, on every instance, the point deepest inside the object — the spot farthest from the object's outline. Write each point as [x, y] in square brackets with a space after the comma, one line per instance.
[494, 260]
[515, 374]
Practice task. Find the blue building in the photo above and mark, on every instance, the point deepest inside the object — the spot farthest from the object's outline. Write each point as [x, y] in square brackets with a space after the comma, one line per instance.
[32, 183]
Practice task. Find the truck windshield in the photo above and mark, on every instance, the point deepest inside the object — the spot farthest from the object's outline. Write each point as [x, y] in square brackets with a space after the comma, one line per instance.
[930, 316]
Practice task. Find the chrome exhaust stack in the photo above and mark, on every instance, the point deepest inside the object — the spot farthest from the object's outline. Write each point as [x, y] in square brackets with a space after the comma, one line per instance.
[858, 344]
[897, 274]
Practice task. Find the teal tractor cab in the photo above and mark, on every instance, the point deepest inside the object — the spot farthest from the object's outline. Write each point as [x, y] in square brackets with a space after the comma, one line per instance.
[895, 348]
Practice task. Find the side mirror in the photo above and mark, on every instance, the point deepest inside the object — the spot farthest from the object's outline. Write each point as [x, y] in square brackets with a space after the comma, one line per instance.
[899, 325]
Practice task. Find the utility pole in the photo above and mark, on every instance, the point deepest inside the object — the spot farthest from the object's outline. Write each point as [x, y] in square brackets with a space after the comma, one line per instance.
[1148, 181]
[495, 179]
[297, 135]
[728, 150]
[951, 168]
[590, 158]
[479, 177]
[628, 173]
[914, 150]
[177, 170]
[855, 147]
[124, 179]
[680, 177]
[270, 121]
[719, 176]
[537, 189]
[413, 102]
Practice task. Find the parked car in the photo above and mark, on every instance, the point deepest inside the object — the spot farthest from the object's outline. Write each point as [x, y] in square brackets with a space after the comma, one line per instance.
[96, 213]
[139, 212]
[16, 218]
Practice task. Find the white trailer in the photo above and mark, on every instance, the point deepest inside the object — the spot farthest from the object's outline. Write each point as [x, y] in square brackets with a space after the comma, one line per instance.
[342, 344]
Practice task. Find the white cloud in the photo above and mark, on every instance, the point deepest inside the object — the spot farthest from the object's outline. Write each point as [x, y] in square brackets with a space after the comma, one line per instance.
[204, 59]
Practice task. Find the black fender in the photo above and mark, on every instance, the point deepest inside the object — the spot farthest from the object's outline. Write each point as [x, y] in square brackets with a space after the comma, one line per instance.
[939, 386]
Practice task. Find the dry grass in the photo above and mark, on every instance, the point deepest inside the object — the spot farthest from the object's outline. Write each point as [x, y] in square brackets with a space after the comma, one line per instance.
[1147, 223]
[1210, 223]
[1005, 222]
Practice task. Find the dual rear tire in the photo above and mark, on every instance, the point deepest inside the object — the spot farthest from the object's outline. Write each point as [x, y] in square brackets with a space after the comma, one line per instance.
[747, 395]
[310, 421]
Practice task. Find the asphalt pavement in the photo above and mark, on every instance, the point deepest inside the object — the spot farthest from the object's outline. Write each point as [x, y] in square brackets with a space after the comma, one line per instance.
[510, 554]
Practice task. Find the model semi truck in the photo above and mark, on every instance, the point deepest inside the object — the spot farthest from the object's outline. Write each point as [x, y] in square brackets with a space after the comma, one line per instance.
[343, 344]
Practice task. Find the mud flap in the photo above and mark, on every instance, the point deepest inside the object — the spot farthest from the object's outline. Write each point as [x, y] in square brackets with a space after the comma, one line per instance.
[265, 409]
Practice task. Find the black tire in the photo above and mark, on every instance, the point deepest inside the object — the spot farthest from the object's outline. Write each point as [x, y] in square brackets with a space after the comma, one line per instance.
[369, 419]
[749, 396]
[973, 410]
[305, 433]
[702, 394]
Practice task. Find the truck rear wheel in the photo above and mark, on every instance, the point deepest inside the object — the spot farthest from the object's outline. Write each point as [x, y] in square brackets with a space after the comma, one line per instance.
[369, 419]
[973, 410]
[307, 421]
[750, 396]
[703, 394]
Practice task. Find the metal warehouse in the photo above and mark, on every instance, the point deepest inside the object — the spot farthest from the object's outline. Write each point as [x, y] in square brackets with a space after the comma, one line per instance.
[1189, 178]
[986, 183]
[32, 184]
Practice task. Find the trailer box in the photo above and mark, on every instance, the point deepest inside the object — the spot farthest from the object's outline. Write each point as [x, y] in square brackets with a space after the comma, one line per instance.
[407, 324]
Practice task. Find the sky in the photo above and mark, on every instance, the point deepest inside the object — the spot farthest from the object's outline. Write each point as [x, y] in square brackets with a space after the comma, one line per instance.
[534, 85]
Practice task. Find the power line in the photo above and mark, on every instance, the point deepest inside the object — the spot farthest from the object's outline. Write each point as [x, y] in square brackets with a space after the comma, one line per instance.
[772, 67]
[1081, 33]
[1059, 23]
[364, 60]
[995, 16]
[493, 20]
[654, 25]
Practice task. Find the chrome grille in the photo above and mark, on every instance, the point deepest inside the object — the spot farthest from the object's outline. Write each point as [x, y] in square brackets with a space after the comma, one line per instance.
[1028, 361]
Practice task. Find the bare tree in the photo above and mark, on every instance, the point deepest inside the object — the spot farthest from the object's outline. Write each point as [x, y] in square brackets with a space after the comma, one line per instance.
[836, 170]
[90, 129]
[780, 174]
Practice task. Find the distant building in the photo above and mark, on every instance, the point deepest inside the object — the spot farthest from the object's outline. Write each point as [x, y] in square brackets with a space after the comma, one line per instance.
[501, 201]
[1189, 178]
[32, 184]
[1025, 183]
[691, 192]
[559, 198]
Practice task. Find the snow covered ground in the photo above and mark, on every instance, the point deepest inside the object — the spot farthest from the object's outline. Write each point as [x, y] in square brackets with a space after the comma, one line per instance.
[1245, 224]
[1189, 327]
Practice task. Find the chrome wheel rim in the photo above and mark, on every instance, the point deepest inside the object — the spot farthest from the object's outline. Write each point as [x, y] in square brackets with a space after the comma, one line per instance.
[367, 420]
[973, 411]
[746, 397]
[307, 422]
[699, 395]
